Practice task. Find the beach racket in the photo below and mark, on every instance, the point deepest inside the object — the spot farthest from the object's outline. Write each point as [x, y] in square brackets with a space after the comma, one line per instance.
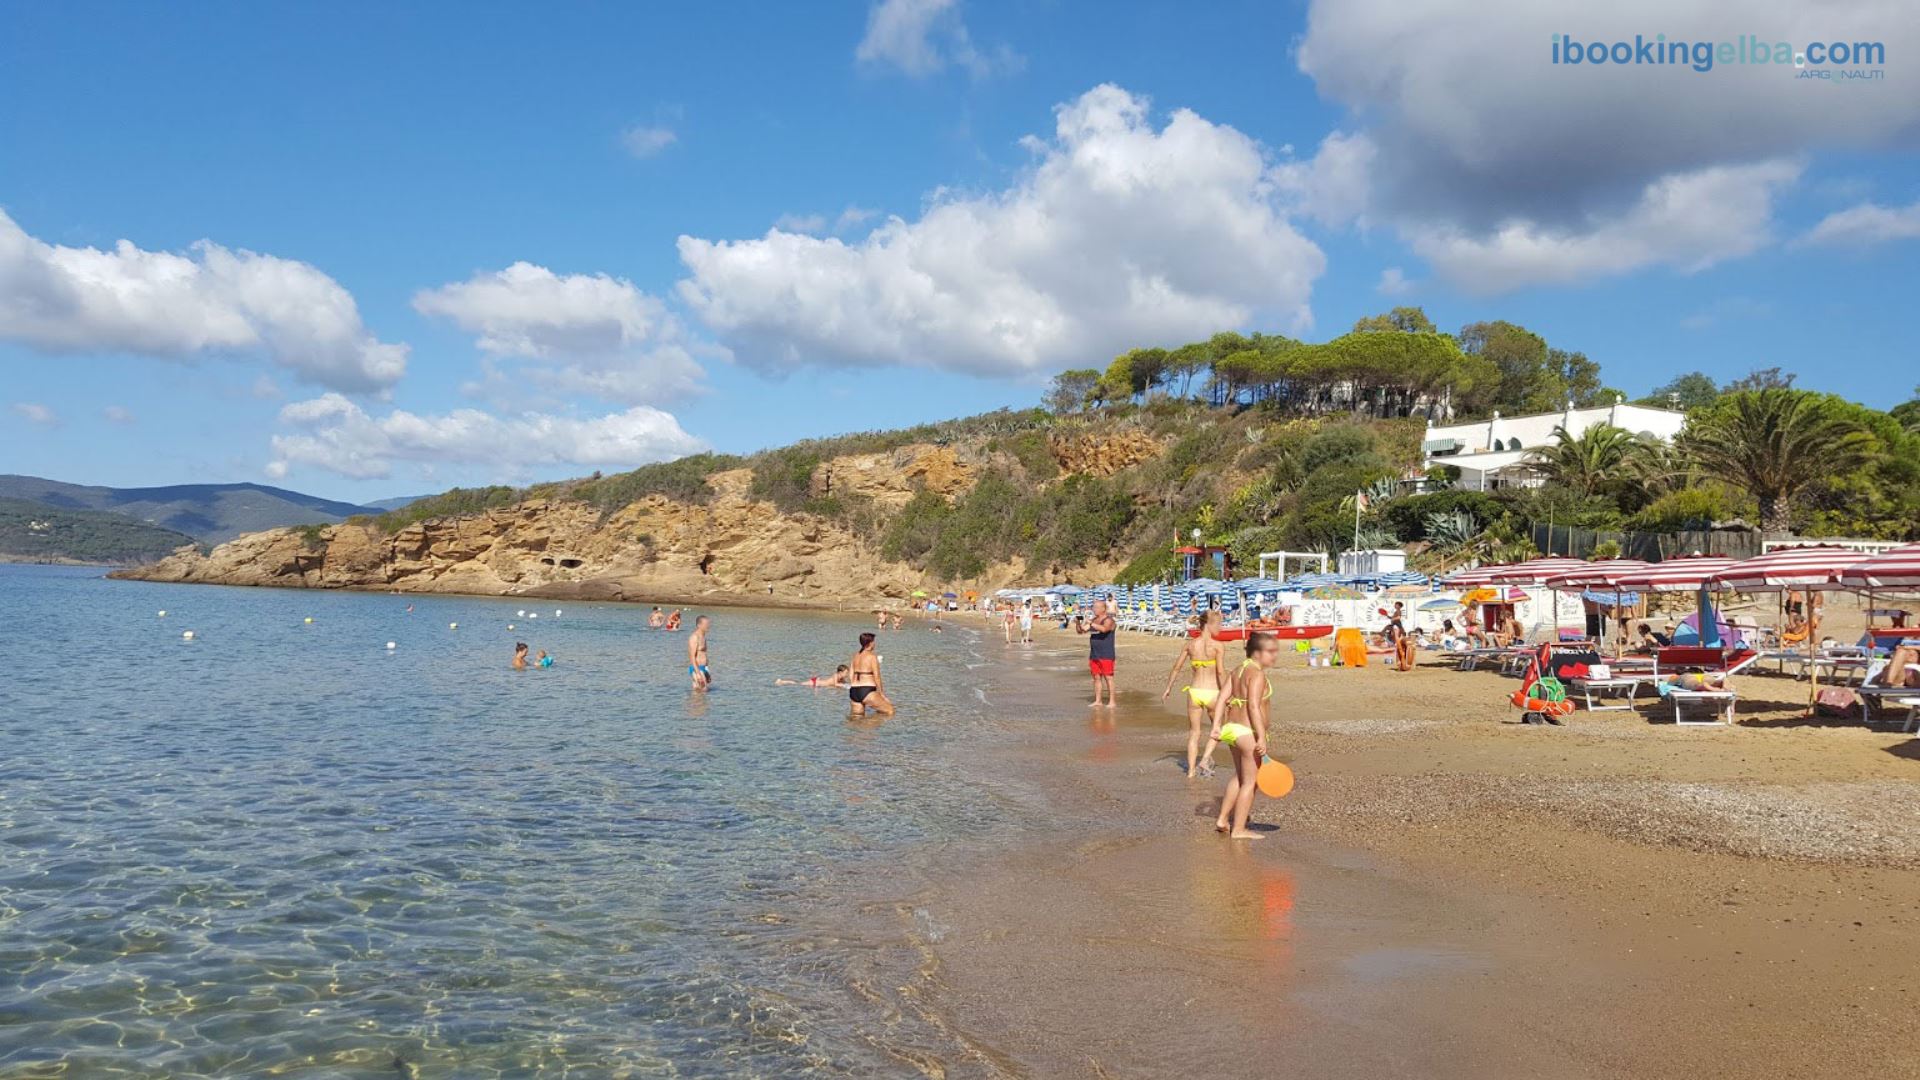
[1275, 779]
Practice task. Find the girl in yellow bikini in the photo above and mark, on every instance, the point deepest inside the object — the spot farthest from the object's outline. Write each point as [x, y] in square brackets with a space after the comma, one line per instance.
[1202, 659]
[1246, 733]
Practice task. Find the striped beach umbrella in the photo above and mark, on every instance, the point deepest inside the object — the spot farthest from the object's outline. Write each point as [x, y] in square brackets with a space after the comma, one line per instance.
[1471, 578]
[1605, 572]
[1685, 574]
[1815, 566]
[1535, 571]
[1895, 569]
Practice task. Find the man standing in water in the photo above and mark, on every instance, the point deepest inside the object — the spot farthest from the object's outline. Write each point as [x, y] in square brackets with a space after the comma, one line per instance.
[1100, 654]
[697, 655]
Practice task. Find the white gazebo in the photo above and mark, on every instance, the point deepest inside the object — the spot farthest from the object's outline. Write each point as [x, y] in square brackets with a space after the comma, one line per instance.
[1281, 558]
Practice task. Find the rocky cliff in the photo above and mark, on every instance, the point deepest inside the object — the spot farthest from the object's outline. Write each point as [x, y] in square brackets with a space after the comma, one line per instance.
[733, 546]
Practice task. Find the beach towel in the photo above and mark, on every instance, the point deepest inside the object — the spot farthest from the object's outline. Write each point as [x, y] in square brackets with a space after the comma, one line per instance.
[1351, 646]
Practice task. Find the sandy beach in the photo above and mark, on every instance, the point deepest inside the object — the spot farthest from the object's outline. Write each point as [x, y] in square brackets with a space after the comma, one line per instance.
[1446, 893]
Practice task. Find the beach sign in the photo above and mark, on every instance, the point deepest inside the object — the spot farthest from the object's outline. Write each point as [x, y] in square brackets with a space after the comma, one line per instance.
[1275, 779]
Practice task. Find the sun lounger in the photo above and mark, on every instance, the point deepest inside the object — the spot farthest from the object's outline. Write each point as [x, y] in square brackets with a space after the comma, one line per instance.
[1875, 699]
[1912, 726]
[1588, 688]
[1719, 702]
[1470, 658]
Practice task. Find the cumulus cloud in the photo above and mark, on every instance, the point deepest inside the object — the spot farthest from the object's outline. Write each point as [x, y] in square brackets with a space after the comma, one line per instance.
[1866, 225]
[117, 414]
[1477, 136]
[801, 223]
[212, 300]
[1687, 222]
[920, 37]
[1119, 234]
[579, 333]
[333, 433]
[1393, 282]
[36, 414]
[853, 217]
[648, 140]
[1335, 185]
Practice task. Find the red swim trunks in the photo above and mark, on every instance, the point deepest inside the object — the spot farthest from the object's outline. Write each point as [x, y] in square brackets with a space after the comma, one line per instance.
[1100, 667]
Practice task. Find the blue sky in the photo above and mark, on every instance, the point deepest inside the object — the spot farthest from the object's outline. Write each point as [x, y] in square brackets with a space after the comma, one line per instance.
[456, 244]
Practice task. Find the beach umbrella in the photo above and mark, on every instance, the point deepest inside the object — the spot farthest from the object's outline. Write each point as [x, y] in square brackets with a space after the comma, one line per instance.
[1466, 579]
[1606, 572]
[920, 593]
[1814, 566]
[1441, 604]
[1534, 571]
[1895, 569]
[1684, 574]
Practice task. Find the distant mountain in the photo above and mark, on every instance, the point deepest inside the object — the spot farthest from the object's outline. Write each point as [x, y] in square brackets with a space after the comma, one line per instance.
[36, 532]
[396, 504]
[210, 513]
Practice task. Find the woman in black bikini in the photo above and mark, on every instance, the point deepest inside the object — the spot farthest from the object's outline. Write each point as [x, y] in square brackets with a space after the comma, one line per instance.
[864, 685]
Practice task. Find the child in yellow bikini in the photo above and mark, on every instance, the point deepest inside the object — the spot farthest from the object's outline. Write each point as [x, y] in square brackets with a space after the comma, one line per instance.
[1246, 734]
[1202, 658]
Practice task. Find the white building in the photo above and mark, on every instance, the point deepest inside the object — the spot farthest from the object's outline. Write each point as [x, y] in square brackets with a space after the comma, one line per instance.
[1372, 562]
[1493, 453]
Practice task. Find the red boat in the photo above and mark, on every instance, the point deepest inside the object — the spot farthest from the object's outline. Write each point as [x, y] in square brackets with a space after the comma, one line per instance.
[1284, 632]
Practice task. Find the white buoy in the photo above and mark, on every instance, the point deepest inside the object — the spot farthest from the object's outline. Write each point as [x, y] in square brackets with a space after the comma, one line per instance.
[556, 613]
[535, 615]
[186, 635]
[163, 613]
[453, 626]
[522, 613]
[309, 620]
[392, 645]
[509, 626]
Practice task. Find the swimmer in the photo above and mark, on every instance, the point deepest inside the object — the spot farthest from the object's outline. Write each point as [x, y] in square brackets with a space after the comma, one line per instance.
[543, 660]
[896, 621]
[519, 656]
[697, 654]
[839, 678]
[1202, 658]
[673, 620]
[1246, 734]
[657, 620]
[865, 689]
[879, 620]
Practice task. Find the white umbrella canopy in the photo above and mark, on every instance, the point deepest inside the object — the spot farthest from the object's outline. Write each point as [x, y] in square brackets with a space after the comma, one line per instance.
[1685, 574]
[1816, 566]
[1895, 569]
[1467, 579]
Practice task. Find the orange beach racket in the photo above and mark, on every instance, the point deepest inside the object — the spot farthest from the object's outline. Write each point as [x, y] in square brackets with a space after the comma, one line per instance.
[1275, 779]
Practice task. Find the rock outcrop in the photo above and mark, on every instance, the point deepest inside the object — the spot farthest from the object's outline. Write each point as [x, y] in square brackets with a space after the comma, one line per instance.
[1102, 453]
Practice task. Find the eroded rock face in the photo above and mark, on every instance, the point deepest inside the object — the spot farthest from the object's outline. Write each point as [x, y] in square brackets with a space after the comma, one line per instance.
[1102, 453]
[892, 478]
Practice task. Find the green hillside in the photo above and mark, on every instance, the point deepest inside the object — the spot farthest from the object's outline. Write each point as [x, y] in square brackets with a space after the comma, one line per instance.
[33, 532]
[210, 513]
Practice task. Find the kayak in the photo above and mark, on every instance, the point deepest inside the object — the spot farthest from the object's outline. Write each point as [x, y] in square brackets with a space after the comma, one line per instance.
[1285, 633]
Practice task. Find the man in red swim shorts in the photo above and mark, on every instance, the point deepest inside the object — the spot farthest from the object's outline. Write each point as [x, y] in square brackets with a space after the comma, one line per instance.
[1100, 655]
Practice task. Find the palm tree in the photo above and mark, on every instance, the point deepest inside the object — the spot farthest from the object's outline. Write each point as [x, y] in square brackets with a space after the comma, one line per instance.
[1776, 443]
[1600, 458]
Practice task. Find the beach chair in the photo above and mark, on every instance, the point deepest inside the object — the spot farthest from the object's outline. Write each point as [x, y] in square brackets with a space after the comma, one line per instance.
[1714, 660]
[1874, 701]
[1718, 704]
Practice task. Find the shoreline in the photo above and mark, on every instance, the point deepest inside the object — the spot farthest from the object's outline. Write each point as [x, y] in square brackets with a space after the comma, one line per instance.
[1438, 875]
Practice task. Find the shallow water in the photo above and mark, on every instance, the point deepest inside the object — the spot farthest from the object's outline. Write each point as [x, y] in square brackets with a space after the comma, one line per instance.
[281, 848]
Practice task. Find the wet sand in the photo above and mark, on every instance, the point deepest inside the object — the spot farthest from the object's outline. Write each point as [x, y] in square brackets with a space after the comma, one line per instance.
[1447, 893]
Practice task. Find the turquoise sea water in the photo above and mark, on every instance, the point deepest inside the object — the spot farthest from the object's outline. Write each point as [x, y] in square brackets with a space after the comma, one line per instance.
[281, 848]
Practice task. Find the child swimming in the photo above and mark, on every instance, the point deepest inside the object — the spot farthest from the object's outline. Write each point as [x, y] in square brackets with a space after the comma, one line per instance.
[839, 678]
[1202, 658]
[1246, 734]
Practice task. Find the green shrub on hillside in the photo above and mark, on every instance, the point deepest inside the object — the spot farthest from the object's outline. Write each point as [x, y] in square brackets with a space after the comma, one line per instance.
[455, 503]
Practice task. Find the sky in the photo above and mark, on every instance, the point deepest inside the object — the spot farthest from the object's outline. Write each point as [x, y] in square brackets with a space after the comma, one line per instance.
[369, 251]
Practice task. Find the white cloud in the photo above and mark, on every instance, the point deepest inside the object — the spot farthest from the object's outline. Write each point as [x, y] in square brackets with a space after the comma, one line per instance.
[1119, 235]
[1393, 282]
[335, 434]
[35, 413]
[853, 217]
[1865, 225]
[920, 37]
[648, 140]
[582, 333]
[813, 224]
[117, 414]
[1685, 222]
[1335, 185]
[213, 300]
[264, 388]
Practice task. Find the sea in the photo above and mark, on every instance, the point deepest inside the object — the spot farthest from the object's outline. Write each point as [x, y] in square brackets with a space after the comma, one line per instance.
[261, 832]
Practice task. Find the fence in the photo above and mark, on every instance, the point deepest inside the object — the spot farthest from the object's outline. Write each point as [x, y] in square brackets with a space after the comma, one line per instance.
[1647, 546]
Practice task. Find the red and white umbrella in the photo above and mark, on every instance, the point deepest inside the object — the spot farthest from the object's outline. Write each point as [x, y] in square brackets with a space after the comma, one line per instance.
[1467, 579]
[1535, 571]
[1684, 574]
[1815, 566]
[1895, 569]
[1605, 572]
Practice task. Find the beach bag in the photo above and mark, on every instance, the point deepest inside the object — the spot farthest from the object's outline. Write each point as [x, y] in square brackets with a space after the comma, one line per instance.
[1835, 701]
